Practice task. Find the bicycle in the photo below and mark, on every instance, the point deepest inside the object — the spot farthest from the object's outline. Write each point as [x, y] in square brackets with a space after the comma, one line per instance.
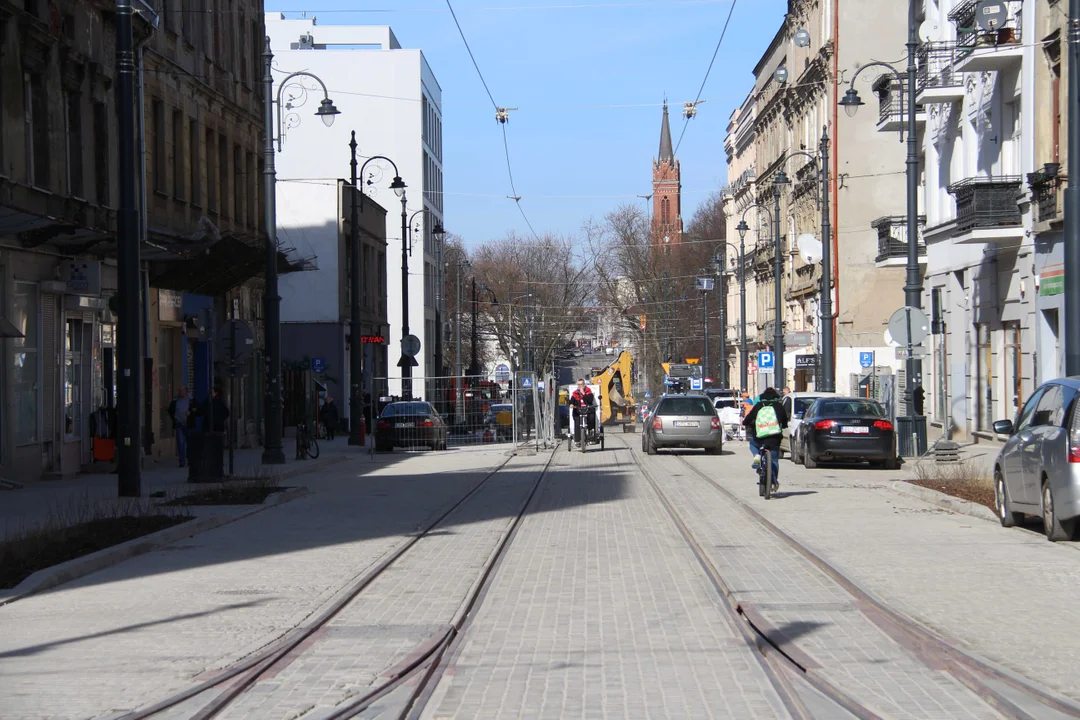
[766, 481]
[306, 445]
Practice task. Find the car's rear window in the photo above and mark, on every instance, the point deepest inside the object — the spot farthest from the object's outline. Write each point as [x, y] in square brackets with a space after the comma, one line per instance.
[686, 406]
[858, 408]
[801, 404]
[406, 408]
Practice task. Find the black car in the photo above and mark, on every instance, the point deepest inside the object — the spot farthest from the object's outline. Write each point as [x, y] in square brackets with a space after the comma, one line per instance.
[410, 424]
[839, 428]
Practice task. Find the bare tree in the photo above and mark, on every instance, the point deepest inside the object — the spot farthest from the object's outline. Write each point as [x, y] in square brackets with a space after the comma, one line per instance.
[454, 255]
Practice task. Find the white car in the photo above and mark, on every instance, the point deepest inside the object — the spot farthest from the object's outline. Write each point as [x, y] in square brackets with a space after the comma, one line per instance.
[796, 404]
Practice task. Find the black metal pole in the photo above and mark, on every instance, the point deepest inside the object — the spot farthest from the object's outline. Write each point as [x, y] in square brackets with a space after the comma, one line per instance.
[723, 331]
[778, 270]
[356, 368]
[669, 320]
[913, 286]
[1072, 201]
[828, 340]
[705, 319]
[129, 461]
[407, 362]
[744, 369]
[273, 453]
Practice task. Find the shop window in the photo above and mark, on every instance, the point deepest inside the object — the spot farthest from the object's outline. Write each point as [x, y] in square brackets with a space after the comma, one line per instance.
[984, 382]
[24, 364]
[165, 374]
[1014, 376]
[73, 358]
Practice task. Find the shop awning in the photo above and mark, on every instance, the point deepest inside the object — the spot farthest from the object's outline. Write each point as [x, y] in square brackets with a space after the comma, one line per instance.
[217, 267]
[8, 329]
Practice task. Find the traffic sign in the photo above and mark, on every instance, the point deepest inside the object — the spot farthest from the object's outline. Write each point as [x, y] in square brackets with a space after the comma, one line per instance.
[909, 318]
[866, 359]
[695, 383]
[526, 383]
[318, 365]
[410, 345]
[766, 360]
[235, 358]
[648, 395]
[641, 322]
[916, 351]
[502, 373]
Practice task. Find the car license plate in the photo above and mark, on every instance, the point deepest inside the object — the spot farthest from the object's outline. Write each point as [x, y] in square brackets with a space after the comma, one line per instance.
[855, 430]
[686, 423]
[404, 425]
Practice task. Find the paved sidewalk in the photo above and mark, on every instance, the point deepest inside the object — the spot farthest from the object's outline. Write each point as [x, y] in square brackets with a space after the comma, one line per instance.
[1006, 595]
[600, 610]
[36, 502]
[139, 630]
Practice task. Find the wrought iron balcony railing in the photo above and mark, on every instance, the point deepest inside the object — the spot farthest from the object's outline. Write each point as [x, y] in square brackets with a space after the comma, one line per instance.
[971, 37]
[984, 202]
[892, 237]
[935, 62]
[1045, 186]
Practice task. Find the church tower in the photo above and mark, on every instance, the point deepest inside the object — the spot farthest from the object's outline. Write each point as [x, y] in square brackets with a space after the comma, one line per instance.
[667, 191]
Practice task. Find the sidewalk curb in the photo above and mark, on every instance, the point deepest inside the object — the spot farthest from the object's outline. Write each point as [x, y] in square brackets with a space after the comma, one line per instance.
[51, 577]
[943, 500]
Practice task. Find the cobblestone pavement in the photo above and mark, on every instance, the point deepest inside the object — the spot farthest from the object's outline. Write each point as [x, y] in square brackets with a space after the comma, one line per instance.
[139, 630]
[600, 610]
[1007, 596]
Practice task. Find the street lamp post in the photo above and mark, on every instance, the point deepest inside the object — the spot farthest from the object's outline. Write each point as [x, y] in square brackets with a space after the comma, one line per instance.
[743, 228]
[717, 263]
[356, 368]
[407, 362]
[436, 235]
[913, 285]
[779, 379]
[1072, 201]
[273, 453]
[459, 380]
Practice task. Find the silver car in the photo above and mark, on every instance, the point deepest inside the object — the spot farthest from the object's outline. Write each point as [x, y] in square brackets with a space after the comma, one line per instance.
[685, 421]
[1038, 470]
[796, 404]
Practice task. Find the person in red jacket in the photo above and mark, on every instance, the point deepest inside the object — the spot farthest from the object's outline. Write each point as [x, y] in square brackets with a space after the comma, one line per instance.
[582, 401]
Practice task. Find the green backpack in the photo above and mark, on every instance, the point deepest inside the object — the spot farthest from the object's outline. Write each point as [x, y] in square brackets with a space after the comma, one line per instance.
[766, 424]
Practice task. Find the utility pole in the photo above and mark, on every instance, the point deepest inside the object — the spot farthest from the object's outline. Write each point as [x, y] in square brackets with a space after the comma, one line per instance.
[356, 370]
[129, 460]
[705, 317]
[667, 320]
[1072, 201]
[273, 453]
[474, 368]
[407, 362]
[744, 364]
[723, 330]
[459, 390]
[913, 285]
[828, 339]
[778, 296]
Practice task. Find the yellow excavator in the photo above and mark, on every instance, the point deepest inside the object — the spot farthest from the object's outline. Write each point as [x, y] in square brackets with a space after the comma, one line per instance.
[616, 402]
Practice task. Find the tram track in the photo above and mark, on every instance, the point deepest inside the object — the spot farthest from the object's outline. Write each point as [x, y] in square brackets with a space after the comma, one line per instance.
[233, 681]
[928, 647]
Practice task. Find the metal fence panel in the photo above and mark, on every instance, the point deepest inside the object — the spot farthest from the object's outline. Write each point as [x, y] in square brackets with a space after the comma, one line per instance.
[445, 411]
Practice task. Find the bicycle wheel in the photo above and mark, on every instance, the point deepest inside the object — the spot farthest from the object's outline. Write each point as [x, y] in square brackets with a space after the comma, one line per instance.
[313, 448]
[766, 461]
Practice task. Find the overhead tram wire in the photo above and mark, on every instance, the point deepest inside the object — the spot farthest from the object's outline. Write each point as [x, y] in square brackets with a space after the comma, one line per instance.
[498, 110]
[701, 89]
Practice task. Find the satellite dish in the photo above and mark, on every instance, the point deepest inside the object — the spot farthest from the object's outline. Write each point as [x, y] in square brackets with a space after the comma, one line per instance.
[929, 31]
[802, 38]
[990, 15]
[780, 75]
[809, 248]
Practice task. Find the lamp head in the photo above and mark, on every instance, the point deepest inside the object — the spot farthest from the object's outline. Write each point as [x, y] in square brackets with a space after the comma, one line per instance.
[438, 231]
[398, 186]
[327, 112]
[743, 228]
[781, 178]
[851, 102]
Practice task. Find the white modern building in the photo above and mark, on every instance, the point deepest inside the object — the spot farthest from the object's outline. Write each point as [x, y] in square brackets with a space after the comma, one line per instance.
[389, 96]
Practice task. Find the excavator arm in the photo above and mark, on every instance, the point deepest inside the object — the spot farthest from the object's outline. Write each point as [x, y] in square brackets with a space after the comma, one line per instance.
[616, 401]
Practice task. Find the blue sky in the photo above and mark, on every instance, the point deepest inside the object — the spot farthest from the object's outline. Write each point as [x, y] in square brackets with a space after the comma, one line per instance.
[549, 59]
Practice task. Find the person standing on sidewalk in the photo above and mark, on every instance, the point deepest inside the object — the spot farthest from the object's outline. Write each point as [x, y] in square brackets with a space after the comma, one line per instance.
[330, 417]
[180, 411]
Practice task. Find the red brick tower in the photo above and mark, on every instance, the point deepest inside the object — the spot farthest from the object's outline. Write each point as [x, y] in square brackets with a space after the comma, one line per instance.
[667, 225]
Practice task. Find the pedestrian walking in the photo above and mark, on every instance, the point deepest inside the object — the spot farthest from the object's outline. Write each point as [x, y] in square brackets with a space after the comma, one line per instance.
[180, 411]
[330, 417]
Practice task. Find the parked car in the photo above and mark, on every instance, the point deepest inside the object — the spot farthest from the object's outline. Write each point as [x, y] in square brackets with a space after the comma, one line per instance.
[845, 428]
[686, 421]
[500, 420]
[609, 351]
[410, 424]
[577, 353]
[796, 404]
[1038, 470]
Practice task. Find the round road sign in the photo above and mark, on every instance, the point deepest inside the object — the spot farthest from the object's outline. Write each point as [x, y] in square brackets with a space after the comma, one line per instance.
[909, 318]
[410, 346]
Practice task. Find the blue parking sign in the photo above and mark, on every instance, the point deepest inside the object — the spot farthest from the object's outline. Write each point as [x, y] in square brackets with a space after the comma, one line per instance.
[318, 365]
[866, 359]
[766, 360]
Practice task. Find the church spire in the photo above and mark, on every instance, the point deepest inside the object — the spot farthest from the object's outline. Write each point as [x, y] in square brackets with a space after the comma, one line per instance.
[666, 153]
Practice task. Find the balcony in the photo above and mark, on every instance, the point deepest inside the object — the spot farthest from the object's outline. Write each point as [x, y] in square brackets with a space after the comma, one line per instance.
[986, 209]
[892, 105]
[1046, 185]
[892, 241]
[938, 80]
[980, 50]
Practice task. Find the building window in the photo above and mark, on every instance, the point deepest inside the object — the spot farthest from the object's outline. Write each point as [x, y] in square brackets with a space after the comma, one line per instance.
[984, 382]
[165, 376]
[157, 110]
[258, 44]
[240, 187]
[73, 116]
[73, 369]
[243, 51]
[211, 172]
[195, 167]
[178, 154]
[186, 20]
[665, 211]
[252, 182]
[24, 364]
[1053, 60]
[101, 153]
[223, 172]
[37, 130]
[1014, 375]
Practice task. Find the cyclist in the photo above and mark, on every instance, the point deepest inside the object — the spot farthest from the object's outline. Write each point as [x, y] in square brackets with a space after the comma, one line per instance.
[764, 427]
[582, 399]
